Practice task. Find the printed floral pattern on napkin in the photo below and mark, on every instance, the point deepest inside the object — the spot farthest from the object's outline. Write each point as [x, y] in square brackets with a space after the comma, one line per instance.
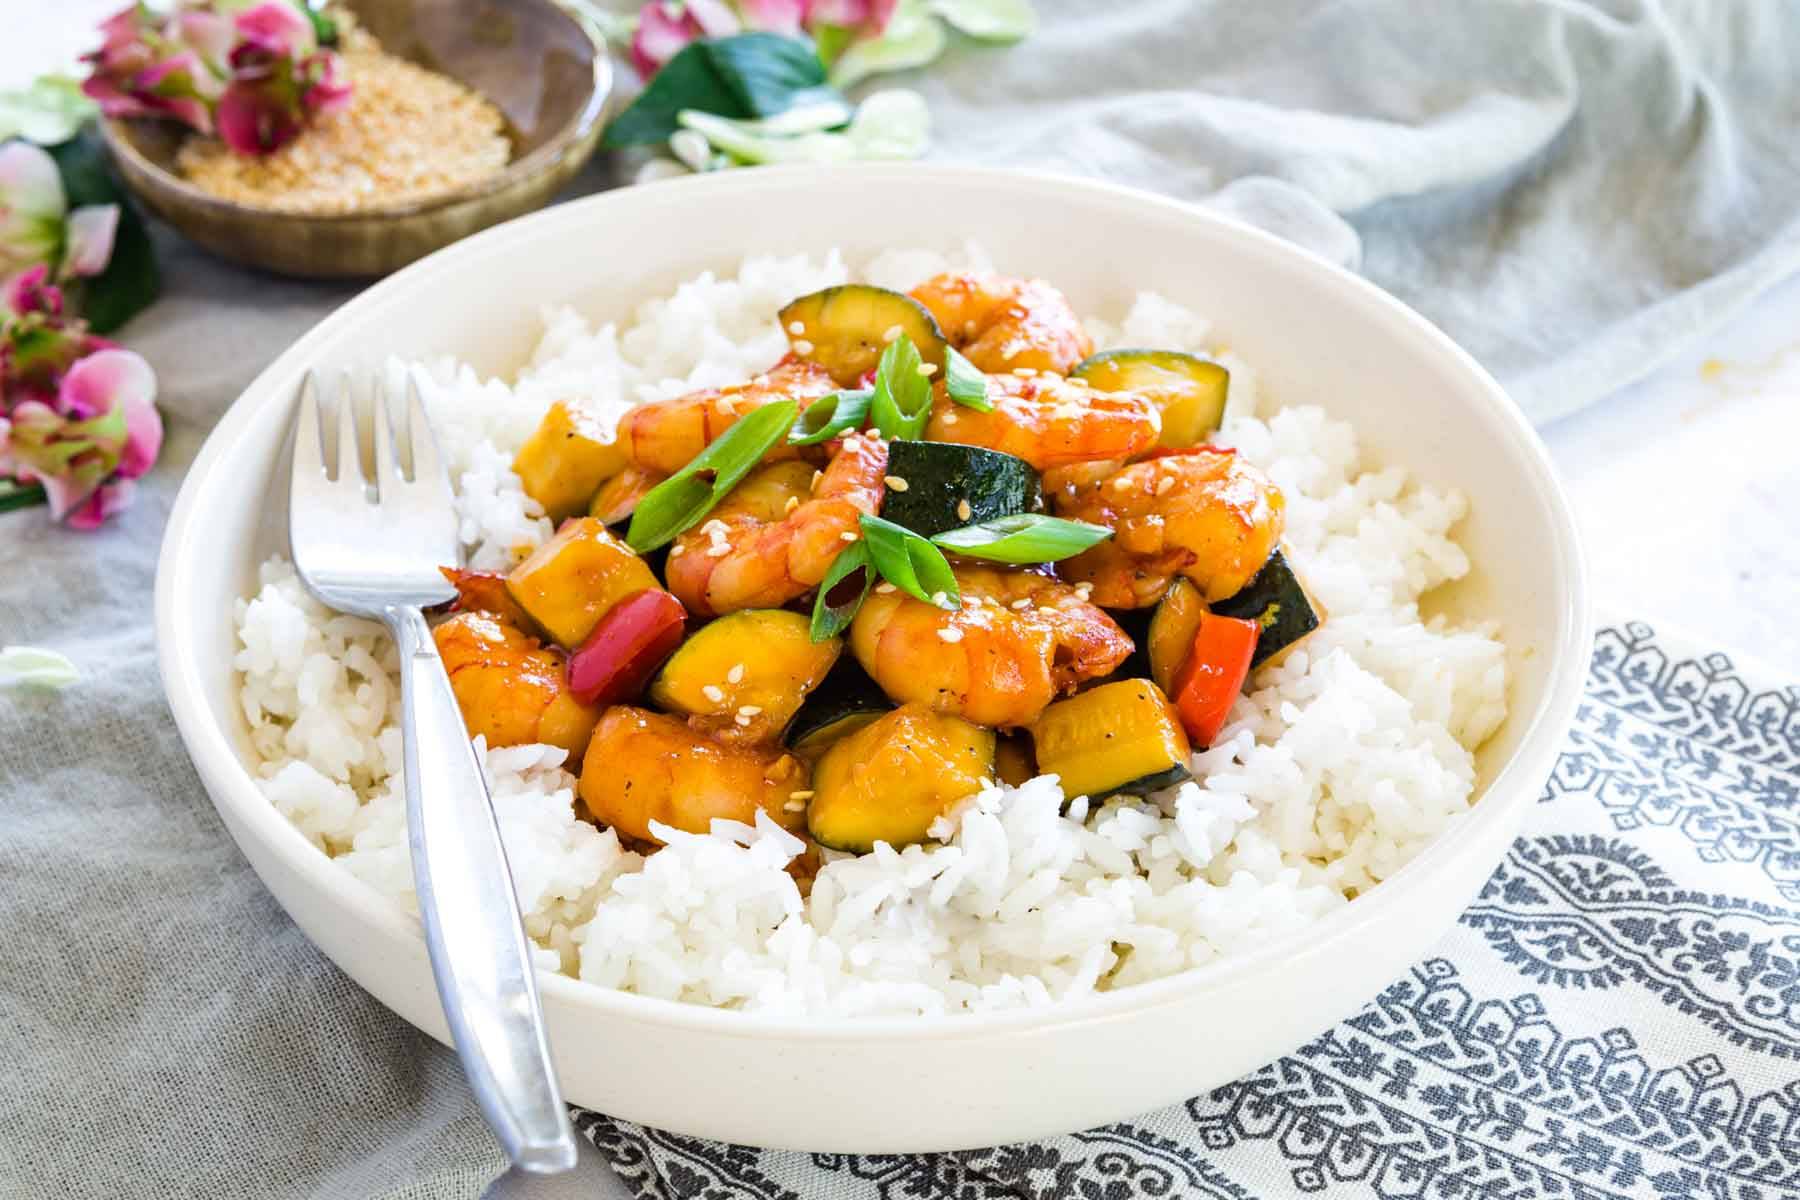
[1617, 1015]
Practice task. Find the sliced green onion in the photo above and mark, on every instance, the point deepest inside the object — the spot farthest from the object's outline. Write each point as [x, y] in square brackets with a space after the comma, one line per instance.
[911, 563]
[902, 402]
[829, 617]
[33, 666]
[831, 415]
[965, 382]
[678, 502]
[1023, 538]
[20, 495]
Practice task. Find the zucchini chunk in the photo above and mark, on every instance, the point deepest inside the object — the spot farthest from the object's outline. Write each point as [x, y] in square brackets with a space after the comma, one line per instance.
[846, 328]
[1189, 390]
[744, 676]
[846, 701]
[944, 477]
[1172, 628]
[571, 581]
[1276, 599]
[1014, 760]
[1118, 737]
[889, 781]
[566, 460]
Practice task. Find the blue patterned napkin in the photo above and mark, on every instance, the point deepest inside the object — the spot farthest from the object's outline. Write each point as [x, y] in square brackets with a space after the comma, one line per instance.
[1617, 1015]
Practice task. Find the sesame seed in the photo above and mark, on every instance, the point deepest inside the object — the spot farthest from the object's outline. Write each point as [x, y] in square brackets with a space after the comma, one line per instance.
[677, 550]
[817, 475]
[1025, 372]
[1021, 602]
[849, 535]
[927, 368]
[892, 333]
[802, 346]
[728, 406]
[1120, 483]
[793, 502]
[736, 674]
[793, 806]
[715, 528]
[963, 511]
[718, 550]
[950, 634]
[802, 794]
[886, 588]
[941, 599]
[1164, 484]
[749, 710]
[969, 327]
[714, 693]
[895, 482]
[949, 418]
[1076, 381]
[796, 327]
[743, 722]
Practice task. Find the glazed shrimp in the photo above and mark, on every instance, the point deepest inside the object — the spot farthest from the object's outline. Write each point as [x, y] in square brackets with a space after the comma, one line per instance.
[1020, 640]
[1205, 513]
[511, 690]
[1001, 323]
[1049, 421]
[644, 766]
[775, 536]
[663, 436]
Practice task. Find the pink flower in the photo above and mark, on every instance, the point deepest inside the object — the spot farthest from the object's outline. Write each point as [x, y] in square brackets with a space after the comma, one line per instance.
[32, 205]
[276, 29]
[30, 291]
[85, 448]
[88, 239]
[665, 27]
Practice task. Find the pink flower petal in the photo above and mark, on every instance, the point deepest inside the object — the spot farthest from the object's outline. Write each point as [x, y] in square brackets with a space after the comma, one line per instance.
[251, 122]
[113, 101]
[209, 34]
[880, 13]
[88, 241]
[109, 499]
[715, 17]
[30, 186]
[776, 16]
[845, 13]
[276, 27]
[30, 291]
[107, 379]
[328, 91]
[660, 36]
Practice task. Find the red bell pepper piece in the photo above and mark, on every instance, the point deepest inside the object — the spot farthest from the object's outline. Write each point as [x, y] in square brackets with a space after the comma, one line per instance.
[1213, 674]
[626, 647]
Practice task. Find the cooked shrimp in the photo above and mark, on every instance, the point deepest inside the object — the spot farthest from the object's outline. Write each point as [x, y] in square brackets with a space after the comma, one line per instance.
[665, 435]
[618, 497]
[511, 690]
[643, 766]
[1206, 514]
[1049, 421]
[1020, 640]
[1002, 323]
[774, 537]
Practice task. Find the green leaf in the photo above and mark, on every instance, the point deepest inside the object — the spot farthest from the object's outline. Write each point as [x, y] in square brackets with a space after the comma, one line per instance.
[737, 140]
[829, 618]
[19, 495]
[990, 20]
[831, 415]
[894, 124]
[36, 667]
[678, 502]
[49, 110]
[910, 563]
[131, 280]
[965, 382]
[888, 125]
[902, 402]
[325, 27]
[912, 38]
[1023, 538]
[743, 76]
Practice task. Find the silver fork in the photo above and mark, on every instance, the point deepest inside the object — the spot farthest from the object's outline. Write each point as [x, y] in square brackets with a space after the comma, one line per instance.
[378, 558]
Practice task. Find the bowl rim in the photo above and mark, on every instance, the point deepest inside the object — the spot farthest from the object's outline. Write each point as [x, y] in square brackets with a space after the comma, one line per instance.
[231, 783]
[583, 124]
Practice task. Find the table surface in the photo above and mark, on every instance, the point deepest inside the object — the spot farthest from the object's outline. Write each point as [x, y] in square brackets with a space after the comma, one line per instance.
[1686, 485]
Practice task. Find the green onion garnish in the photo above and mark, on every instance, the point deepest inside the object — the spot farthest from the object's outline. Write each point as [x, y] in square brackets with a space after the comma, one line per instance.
[902, 402]
[830, 615]
[1023, 538]
[678, 502]
[911, 563]
[831, 415]
[965, 382]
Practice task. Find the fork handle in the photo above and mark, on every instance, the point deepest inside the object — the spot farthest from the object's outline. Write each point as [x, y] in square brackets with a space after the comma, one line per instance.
[479, 954]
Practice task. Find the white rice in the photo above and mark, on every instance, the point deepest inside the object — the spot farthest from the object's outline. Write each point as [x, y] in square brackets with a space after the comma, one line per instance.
[1336, 769]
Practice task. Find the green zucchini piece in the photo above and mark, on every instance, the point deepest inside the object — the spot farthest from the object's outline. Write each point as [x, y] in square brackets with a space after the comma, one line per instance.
[844, 329]
[1118, 737]
[893, 778]
[746, 674]
[950, 485]
[1277, 600]
[1189, 390]
[846, 701]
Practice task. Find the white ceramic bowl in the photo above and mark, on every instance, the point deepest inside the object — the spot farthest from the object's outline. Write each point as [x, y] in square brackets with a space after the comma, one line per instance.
[1315, 334]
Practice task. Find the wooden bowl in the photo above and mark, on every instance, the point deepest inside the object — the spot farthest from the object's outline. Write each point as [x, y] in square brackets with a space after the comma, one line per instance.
[544, 67]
